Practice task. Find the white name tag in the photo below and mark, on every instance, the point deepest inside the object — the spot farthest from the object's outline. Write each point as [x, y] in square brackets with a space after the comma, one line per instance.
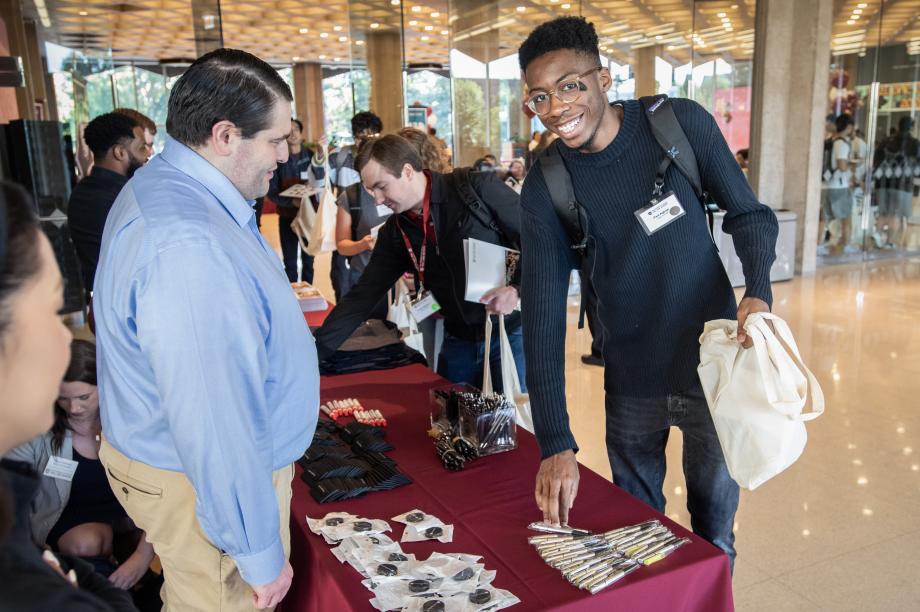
[383, 211]
[60, 468]
[424, 307]
[305, 176]
[661, 213]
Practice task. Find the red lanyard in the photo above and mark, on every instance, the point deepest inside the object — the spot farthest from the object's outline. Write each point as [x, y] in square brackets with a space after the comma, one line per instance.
[419, 262]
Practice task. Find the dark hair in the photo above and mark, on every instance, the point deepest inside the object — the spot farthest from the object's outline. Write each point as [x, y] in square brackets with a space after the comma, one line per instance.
[224, 85]
[429, 152]
[142, 120]
[19, 259]
[575, 33]
[744, 153]
[842, 122]
[390, 151]
[108, 130]
[366, 120]
[299, 123]
[82, 369]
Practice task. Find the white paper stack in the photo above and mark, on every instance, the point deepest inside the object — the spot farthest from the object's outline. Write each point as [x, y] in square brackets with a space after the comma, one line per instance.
[487, 267]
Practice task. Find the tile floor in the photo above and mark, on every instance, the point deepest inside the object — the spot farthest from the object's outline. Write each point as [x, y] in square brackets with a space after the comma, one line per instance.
[839, 530]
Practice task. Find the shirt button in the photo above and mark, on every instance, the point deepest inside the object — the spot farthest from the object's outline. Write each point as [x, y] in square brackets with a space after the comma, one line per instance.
[125, 489]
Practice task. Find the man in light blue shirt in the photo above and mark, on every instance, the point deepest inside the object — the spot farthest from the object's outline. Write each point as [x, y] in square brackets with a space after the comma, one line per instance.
[208, 374]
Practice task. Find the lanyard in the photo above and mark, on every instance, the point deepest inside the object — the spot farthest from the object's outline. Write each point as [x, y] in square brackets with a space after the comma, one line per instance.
[419, 262]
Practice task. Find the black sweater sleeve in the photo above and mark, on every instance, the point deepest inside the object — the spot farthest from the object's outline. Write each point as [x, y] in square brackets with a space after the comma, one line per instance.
[752, 225]
[546, 264]
[388, 262]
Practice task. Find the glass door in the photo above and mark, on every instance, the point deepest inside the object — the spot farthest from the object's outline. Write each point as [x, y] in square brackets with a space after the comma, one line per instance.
[870, 169]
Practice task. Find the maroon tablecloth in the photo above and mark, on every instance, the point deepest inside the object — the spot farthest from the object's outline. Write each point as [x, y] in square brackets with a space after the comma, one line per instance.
[316, 318]
[490, 504]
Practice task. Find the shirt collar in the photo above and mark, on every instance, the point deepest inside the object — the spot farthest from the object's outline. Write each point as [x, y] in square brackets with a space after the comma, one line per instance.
[199, 169]
[108, 175]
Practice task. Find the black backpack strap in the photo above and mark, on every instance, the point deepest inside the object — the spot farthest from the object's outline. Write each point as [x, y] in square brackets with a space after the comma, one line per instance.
[559, 183]
[570, 212]
[673, 141]
[354, 208]
[462, 178]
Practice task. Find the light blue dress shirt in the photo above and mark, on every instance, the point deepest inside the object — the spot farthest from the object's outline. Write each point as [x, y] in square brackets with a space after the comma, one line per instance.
[206, 365]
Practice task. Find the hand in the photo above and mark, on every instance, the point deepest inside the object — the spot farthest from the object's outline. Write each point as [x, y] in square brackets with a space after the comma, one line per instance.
[369, 241]
[52, 562]
[748, 306]
[557, 486]
[270, 595]
[128, 573]
[321, 146]
[501, 300]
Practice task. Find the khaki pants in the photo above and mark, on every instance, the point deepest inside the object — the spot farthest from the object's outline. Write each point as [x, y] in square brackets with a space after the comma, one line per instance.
[198, 576]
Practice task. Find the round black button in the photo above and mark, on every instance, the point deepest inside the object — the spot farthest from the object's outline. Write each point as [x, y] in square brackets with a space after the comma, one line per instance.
[334, 522]
[433, 606]
[125, 489]
[419, 586]
[465, 574]
[386, 569]
[434, 532]
[415, 517]
[362, 526]
[397, 557]
[480, 596]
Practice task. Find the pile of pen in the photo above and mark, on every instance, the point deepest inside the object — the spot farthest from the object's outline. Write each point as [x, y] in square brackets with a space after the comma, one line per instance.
[594, 562]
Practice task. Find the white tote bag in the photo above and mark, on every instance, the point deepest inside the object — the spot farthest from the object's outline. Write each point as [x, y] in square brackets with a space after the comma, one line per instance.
[400, 313]
[303, 222]
[322, 234]
[511, 383]
[757, 396]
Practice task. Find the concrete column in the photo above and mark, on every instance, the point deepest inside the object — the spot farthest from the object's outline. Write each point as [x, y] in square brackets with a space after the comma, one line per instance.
[791, 58]
[308, 96]
[384, 62]
[644, 69]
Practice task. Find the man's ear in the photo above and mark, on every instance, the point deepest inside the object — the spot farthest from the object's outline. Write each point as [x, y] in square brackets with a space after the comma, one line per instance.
[606, 79]
[224, 135]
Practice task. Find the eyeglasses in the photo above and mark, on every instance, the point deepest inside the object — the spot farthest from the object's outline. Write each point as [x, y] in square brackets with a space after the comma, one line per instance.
[566, 92]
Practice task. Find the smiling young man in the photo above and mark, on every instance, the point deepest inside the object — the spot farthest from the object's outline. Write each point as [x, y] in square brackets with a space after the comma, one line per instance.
[425, 236]
[654, 289]
[208, 377]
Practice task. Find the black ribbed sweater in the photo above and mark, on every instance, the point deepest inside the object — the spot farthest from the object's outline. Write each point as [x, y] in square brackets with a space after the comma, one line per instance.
[654, 292]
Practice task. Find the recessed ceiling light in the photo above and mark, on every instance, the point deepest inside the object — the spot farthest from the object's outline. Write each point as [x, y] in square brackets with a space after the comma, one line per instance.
[659, 37]
[296, 58]
[436, 14]
[720, 15]
[850, 22]
[521, 9]
[304, 30]
[324, 34]
[343, 39]
[322, 57]
[862, 5]
[394, 2]
[335, 59]
[413, 22]
[857, 11]
[83, 13]
[337, 28]
[374, 26]
[359, 42]
[417, 9]
[444, 32]
[424, 38]
[566, 6]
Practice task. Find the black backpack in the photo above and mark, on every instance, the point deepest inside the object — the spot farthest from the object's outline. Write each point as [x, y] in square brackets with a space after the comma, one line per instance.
[673, 142]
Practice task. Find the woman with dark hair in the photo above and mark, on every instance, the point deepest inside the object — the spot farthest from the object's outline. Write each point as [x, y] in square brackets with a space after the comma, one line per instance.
[75, 511]
[34, 349]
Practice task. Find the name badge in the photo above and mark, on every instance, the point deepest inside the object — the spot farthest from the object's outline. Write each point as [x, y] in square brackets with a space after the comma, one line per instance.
[305, 176]
[383, 211]
[60, 468]
[424, 306]
[660, 213]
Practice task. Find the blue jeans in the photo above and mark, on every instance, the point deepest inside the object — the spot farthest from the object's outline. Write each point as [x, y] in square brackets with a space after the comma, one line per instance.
[461, 361]
[637, 433]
